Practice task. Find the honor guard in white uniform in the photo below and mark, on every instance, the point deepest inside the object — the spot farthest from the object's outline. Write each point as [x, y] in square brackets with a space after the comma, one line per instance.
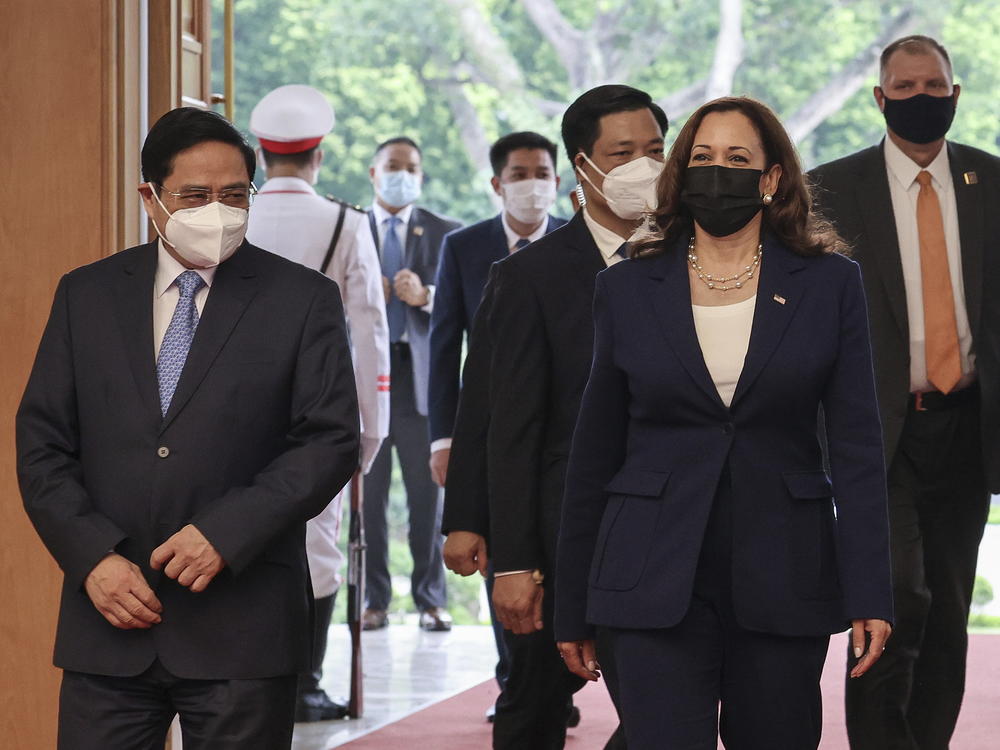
[290, 219]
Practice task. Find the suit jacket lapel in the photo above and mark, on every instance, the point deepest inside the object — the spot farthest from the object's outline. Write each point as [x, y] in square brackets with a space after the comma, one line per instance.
[875, 203]
[414, 236]
[969, 200]
[134, 308]
[374, 227]
[671, 298]
[233, 287]
[580, 241]
[498, 239]
[778, 293]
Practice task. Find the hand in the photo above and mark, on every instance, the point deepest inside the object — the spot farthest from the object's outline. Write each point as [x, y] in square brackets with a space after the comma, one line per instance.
[580, 658]
[386, 288]
[439, 465]
[119, 591]
[465, 553]
[410, 288]
[518, 603]
[369, 449]
[189, 558]
[879, 632]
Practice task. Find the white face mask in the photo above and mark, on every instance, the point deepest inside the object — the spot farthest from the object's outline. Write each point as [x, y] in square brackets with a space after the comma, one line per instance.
[630, 188]
[204, 236]
[528, 201]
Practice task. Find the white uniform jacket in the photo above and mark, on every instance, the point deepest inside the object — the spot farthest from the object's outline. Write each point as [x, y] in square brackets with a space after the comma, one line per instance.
[290, 219]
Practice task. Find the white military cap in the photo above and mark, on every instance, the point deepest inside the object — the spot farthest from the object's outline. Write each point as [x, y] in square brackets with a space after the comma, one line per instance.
[291, 119]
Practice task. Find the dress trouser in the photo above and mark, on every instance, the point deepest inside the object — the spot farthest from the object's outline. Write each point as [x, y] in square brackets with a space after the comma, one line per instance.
[134, 713]
[938, 505]
[671, 681]
[537, 698]
[408, 435]
[503, 661]
[308, 682]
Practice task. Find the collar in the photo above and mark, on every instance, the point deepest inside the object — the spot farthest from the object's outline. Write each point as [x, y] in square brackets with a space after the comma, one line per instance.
[606, 240]
[513, 237]
[381, 214]
[168, 269]
[904, 170]
[286, 185]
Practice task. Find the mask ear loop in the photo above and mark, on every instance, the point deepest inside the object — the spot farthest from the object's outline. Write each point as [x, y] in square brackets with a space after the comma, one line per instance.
[153, 221]
[579, 186]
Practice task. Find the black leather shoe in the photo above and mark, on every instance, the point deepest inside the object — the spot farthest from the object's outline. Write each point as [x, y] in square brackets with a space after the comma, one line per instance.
[317, 706]
[574, 717]
[435, 619]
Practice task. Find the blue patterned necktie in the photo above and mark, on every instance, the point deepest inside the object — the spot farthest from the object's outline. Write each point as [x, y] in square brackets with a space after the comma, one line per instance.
[177, 339]
[392, 263]
[521, 244]
[622, 250]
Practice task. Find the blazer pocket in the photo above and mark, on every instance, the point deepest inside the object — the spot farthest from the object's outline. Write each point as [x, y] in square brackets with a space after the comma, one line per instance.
[812, 543]
[808, 485]
[629, 528]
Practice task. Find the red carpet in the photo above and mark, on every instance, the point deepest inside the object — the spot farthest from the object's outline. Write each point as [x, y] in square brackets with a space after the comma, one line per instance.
[458, 724]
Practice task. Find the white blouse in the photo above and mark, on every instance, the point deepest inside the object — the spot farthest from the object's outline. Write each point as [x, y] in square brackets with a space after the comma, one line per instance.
[724, 335]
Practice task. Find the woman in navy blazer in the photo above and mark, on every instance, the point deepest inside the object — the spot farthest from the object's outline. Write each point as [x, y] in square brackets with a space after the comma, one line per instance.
[699, 525]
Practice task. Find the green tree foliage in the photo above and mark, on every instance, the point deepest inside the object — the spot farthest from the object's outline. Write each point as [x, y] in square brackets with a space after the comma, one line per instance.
[457, 74]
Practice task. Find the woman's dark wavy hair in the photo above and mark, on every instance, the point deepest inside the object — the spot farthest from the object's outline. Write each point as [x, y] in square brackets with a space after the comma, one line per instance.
[789, 218]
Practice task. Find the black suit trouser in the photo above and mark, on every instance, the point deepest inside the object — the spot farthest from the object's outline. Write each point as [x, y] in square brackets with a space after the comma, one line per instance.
[938, 505]
[537, 697]
[672, 681]
[97, 712]
[408, 435]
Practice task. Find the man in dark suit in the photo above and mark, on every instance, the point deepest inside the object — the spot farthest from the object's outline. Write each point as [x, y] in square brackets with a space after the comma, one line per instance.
[524, 176]
[921, 214]
[538, 340]
[192, 404]
[409, 242]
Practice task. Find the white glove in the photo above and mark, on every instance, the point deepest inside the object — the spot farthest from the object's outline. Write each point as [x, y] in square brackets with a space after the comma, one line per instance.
[369, 449]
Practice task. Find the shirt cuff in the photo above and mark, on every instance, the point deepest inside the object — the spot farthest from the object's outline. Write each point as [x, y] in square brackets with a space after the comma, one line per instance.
[440, 444]
[429, 307]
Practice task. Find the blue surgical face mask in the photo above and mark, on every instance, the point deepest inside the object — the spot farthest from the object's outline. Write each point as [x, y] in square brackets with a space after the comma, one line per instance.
[399, 188]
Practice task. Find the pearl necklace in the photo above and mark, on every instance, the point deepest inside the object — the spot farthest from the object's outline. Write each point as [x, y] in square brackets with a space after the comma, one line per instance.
[721, 284]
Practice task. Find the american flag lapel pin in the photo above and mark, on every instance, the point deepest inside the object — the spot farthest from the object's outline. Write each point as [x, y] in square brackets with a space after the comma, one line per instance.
[779, 299]
[418, 230]
[970, 178]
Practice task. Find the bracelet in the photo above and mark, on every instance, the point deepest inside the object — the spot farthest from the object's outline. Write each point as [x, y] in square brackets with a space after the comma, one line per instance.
[536, 575]
[510, 573]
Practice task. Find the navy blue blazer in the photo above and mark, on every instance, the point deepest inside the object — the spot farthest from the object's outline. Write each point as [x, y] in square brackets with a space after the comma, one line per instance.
[653, 438]
[466, 257]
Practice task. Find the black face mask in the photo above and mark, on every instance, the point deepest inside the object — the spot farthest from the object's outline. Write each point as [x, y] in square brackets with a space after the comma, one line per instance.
[722, 200]
[920, 119]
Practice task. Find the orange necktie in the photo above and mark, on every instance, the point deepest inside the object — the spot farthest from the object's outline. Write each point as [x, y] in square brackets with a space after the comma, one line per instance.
[944, 365]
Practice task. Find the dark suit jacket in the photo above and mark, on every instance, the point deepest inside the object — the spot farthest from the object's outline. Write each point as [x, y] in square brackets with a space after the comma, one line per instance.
[466, 257]
[541, 339]
[424, 234]
[854, 193]
[261, 433]
[654, 438]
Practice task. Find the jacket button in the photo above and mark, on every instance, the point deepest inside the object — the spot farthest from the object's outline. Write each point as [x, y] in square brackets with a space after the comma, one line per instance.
[163, 451]
[729, 428]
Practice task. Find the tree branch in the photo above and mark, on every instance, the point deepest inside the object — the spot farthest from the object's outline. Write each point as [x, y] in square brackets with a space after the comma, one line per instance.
[685, 99]
[825, 102]
[728, 49]
[570, 43]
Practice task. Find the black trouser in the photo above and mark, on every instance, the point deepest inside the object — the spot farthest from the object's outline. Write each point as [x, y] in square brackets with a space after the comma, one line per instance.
[308, 681]
[671, 681]
[134, 713]
[536, 701]
[938, 505]
[408, 435]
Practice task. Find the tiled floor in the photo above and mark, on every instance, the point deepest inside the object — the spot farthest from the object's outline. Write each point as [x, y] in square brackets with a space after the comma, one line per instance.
[405, 670]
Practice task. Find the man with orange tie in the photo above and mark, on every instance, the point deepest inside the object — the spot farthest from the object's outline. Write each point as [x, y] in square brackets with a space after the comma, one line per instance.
[921, 213]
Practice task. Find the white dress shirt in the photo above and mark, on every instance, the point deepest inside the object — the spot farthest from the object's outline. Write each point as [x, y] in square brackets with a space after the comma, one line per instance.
[607, 241]
[166, 293]
[724, 335]
[903, 188]
[513, 237]
[381, 217]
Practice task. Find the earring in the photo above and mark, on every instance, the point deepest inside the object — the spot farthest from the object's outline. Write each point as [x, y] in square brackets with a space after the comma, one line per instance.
[768, 199]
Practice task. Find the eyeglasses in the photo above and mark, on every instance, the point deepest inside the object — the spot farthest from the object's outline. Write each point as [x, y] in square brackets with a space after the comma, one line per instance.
[235, 197]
